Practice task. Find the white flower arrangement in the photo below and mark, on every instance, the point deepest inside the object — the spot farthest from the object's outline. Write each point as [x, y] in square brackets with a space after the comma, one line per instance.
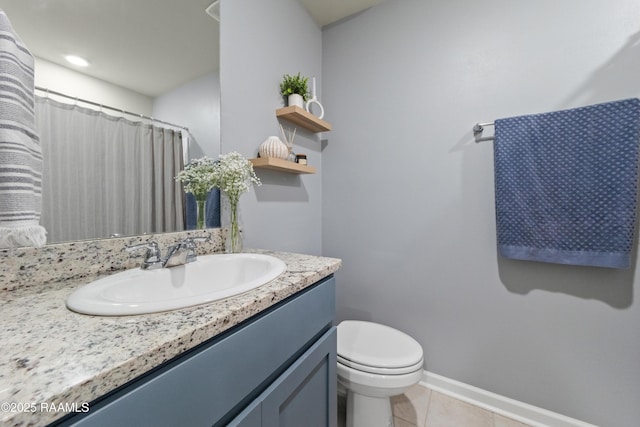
[198, 177]
[233, 174]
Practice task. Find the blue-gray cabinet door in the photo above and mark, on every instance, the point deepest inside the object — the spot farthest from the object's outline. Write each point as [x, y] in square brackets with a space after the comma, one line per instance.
[304, 395]
[250, 417]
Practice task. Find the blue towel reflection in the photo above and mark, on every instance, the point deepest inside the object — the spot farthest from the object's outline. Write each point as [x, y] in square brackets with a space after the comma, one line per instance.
[212, 210]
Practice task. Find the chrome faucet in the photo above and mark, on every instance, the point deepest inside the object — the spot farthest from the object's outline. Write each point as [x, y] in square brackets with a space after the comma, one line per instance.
[178, 254]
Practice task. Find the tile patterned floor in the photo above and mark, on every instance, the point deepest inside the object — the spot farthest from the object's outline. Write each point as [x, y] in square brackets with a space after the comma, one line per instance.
[422, 407]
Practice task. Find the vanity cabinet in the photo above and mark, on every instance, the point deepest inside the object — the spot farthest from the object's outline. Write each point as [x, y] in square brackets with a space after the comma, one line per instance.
[278, 368]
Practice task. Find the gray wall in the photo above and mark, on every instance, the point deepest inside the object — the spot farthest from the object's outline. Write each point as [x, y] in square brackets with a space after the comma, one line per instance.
[261, 41]
[408, 196]
[195, 105]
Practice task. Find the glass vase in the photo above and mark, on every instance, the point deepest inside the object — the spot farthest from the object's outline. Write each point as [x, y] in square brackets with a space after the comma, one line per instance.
[291, 156]
[200, 213]
[233, 242]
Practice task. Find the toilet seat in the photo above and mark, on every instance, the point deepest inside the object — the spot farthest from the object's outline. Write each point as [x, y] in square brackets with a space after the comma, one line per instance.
[378, 349]
[381, 370]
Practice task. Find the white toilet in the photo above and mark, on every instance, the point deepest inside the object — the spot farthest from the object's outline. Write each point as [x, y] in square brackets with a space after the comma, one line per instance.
[375, 362]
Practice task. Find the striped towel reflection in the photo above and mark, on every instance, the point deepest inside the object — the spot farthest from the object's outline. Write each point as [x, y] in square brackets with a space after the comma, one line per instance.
[20, 154]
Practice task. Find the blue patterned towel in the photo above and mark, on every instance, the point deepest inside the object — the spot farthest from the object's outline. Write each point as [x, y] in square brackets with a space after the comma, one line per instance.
[566, 184]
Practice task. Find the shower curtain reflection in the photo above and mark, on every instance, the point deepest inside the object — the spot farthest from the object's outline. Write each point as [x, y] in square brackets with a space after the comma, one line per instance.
[106, 175]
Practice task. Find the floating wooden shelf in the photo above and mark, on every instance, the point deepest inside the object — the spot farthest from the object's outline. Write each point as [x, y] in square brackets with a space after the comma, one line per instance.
[281, 165]
[303, 118]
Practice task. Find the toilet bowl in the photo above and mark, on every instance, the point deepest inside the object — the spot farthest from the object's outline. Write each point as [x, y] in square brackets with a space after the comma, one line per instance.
[375, 362]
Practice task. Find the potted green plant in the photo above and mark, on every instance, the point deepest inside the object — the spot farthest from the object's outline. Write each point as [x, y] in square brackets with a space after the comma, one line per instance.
[295, 88]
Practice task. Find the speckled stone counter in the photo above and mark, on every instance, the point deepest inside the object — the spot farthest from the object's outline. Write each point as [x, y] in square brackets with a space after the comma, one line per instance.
[25, 269]
[52, 356]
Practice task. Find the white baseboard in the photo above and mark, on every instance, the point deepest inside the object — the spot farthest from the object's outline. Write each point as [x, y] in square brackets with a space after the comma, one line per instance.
[525, 413]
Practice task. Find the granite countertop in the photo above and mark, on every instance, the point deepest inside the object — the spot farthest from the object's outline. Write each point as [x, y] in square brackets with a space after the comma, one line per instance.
[51, 357]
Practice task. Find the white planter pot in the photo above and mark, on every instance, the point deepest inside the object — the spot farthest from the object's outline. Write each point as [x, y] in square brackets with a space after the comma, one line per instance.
[296, 100]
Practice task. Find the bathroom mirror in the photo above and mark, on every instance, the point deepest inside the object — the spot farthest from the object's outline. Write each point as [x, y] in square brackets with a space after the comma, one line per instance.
[148, 50]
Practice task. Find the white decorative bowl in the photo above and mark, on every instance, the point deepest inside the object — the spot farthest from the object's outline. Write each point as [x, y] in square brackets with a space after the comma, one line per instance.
[273, 147]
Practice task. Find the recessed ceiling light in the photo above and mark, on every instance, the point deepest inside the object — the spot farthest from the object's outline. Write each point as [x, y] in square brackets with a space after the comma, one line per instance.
[76, 60]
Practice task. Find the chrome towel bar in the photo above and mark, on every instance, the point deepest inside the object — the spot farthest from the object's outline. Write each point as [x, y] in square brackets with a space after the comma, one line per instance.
[477, 132]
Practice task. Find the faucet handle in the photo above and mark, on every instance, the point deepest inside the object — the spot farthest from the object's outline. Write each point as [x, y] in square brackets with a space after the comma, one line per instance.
[151, 247]
[190, 244]
[152, 258]
[191, 241]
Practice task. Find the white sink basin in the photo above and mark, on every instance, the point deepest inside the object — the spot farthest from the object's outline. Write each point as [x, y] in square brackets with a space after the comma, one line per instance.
[210, 278]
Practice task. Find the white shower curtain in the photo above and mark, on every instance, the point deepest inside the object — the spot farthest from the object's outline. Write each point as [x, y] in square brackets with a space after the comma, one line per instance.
[106, 175]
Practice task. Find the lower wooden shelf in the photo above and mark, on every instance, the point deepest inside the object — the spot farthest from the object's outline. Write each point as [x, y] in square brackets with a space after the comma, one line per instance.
[281, 165]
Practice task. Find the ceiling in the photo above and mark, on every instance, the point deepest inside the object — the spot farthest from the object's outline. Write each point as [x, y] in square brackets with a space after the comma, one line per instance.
[329, 11]
[149, 46]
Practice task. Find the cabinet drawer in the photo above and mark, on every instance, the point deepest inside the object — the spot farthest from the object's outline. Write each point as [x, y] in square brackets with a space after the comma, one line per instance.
[200, 388]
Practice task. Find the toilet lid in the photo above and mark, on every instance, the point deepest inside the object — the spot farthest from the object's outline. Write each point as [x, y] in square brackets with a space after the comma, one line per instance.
[364, 345]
